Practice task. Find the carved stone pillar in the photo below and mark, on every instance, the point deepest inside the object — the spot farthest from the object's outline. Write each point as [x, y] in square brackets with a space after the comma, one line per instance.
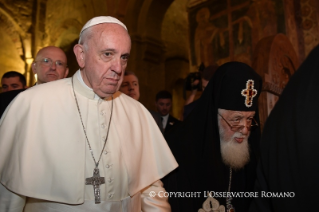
[147, 61]
[275, 60]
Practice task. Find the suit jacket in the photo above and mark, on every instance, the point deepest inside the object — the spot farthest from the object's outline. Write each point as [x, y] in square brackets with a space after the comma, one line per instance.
[171, 122]
[6, 98]
[157, 118]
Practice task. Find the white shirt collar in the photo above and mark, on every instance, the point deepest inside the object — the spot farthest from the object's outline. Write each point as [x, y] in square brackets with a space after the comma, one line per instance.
[79, 76]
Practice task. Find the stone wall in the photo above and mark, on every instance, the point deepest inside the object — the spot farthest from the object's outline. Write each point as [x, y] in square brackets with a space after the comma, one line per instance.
[163, 34]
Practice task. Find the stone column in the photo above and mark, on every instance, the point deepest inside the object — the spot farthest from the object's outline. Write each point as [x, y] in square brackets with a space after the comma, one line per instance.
[147, 62]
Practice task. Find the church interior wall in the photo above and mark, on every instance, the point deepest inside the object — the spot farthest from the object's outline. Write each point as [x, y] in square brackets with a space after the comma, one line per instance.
[10, 57]
[177, 65]
[167, 40]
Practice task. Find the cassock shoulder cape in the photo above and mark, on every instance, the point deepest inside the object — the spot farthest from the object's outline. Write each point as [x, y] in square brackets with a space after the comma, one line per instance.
[42, 143]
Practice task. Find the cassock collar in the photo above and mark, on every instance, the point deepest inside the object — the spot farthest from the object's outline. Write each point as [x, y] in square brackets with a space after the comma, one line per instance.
[82, 88]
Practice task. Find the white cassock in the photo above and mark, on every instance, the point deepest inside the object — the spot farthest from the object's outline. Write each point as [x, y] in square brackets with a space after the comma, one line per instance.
[44, 155]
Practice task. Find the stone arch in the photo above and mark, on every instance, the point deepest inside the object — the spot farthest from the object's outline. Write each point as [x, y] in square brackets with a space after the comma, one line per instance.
[133, 9]
[12, 49]
[144, 20]
[117, 8]
[176, 42]
[67, 37]
[67, 32]
[151, 17]
[63, 29]
[275, 60]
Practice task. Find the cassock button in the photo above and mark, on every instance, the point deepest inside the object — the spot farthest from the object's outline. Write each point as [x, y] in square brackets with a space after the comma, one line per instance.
[110, 180]
[105, 152]
[102, 113]
[107, 166]
[103, 125]
[103, 138]
[110, 196]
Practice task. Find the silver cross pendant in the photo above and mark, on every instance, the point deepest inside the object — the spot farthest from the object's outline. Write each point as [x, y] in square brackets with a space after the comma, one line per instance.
[96, 181]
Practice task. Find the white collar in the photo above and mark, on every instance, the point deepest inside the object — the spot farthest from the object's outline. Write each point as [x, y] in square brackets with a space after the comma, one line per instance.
[79, 76]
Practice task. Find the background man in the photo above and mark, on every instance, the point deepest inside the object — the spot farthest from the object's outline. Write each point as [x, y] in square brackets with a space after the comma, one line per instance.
[216, 145]
[163, 105]
[50, 64]
[131, 88]
[89, 147]
[130, 85]
[12, 80]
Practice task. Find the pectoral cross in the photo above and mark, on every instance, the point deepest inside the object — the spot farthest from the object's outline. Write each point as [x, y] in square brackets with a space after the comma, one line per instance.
[96, 181]
[249, 93]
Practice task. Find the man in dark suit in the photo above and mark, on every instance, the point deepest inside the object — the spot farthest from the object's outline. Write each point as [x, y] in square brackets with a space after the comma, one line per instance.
[12, 80]
[12, 84]
[50, 64]
[163, 105]
[130, 86]
[6, 98]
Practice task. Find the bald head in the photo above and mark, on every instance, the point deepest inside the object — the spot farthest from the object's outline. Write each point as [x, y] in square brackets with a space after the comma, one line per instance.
[50, 64]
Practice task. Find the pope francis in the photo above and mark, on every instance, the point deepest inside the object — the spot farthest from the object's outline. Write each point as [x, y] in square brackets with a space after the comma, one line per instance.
[78, 144]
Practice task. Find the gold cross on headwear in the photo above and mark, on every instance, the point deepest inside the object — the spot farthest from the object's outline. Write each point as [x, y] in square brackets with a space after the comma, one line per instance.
[249, 93]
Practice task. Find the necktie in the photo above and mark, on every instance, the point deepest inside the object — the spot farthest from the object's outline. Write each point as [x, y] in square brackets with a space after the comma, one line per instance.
[162, 120]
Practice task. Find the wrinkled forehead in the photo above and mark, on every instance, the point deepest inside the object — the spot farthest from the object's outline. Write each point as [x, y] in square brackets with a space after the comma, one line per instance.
[164, 100]
[52, 53]
[12, 79]
[235, 112]
[109, 33]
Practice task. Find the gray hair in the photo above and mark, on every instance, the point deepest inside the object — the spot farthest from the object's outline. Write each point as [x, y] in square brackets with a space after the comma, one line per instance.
[84, 37]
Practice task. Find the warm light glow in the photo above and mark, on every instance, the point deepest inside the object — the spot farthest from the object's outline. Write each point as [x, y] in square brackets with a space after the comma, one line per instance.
[36, 77]
[29, 61]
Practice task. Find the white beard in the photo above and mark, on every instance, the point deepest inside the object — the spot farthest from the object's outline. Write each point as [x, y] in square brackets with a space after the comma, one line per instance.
[234, 154]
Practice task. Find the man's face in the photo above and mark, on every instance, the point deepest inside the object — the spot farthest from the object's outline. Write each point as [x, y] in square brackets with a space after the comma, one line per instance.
[11, 83]
[164, 106]
[234, 144]
[130, 86]
[105, 59]
[45, 65]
